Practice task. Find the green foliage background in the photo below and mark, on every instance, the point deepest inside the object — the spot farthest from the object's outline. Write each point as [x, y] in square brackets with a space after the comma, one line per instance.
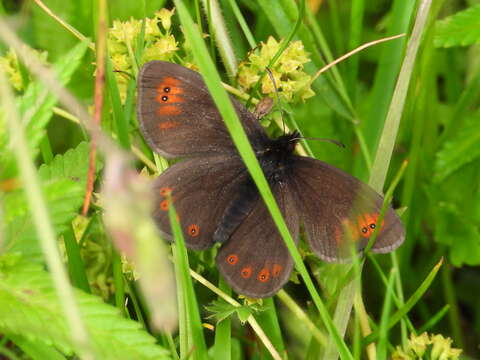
[439, 191]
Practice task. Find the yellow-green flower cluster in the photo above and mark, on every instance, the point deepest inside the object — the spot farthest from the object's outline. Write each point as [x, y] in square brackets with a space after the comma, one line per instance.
[160, 44]
[10, 66]
[425, 346]
[293, 84]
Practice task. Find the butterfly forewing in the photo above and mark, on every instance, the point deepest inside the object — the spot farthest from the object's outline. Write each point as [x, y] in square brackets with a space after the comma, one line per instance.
[201, 189]
[338, 211]
[255, 260]
[178, 117]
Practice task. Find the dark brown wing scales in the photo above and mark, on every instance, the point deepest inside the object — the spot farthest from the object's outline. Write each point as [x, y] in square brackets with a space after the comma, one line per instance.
[255, 260]
[337, 208]
[178, 117]
[201, 190]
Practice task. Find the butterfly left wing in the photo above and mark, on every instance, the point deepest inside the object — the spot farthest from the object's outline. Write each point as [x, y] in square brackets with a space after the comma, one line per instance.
[179, 118]
[255, 260]
[335, 208]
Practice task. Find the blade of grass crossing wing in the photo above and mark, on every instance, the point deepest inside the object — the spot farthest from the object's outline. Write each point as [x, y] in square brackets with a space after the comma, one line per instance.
[196, 340]
[212, 80]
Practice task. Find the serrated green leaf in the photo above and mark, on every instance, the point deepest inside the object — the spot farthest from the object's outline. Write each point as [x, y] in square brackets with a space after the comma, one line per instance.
[220, 310]
[243, 313]
[64, 186]
[37, 103]
[455, 215]
[35, 349]
[460, 29]
[29, 306]
[460, 150]
[72, 165]
[462, 237]
[64, 197]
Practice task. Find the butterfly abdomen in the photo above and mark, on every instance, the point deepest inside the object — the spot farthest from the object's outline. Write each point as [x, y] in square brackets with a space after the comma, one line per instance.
[237, 210]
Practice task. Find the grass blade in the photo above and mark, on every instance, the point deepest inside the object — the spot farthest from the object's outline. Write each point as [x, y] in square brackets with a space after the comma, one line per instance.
[212, 80]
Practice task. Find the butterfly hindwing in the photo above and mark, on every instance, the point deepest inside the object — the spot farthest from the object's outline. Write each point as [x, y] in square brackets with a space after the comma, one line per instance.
[178, 117]
[337, 208]
[255, 260]
[201, 189]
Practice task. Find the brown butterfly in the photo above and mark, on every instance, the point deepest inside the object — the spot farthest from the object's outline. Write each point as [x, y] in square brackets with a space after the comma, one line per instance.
[217, 201]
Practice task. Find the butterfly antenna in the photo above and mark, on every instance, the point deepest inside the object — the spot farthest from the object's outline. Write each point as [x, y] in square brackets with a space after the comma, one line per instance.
[124, 73]
[338, 143]
[270, 75]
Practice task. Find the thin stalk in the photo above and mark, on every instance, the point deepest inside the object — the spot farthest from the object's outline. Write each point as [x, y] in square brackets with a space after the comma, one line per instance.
[43, 223]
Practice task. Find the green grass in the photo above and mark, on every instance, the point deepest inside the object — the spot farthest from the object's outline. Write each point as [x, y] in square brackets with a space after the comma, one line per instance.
[413, 99]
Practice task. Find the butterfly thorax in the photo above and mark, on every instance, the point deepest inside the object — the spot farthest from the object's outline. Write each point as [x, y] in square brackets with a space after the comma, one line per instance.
[274, 157]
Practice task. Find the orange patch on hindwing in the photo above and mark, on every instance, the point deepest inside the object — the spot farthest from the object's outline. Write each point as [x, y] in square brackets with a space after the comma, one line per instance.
[276, 270]
[164, 205]
[232, 259]
[193, 230]
[246, 272]
[263, 275]
[164, 191]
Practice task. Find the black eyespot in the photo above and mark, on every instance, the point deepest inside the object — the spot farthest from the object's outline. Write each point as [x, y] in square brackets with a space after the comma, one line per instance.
[364, 230]
[164, 98]
[166, 89]
[373, 226]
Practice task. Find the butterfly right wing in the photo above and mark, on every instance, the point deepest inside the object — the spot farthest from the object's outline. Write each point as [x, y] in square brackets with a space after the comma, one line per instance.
[201, 188]
[337, 208]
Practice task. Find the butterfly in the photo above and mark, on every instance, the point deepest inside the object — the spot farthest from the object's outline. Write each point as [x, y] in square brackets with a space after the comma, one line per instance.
[217, 201]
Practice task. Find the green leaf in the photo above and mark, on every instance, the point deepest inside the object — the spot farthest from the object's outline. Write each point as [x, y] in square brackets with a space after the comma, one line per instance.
[64, 197]
[73, 165]
[455, 214]
[460, 150]
[35, 349]
[37, 106]
[64, 185]
[222, 310]
[460, 29]
[460, 235]
[29, 306]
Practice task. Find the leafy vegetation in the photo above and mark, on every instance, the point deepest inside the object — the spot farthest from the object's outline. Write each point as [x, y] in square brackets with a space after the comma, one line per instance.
[419, 303]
